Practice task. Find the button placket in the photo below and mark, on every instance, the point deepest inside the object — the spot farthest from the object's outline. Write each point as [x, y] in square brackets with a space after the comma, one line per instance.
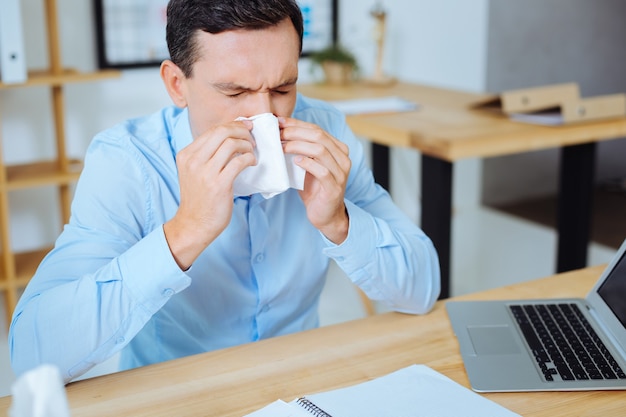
[259, 233]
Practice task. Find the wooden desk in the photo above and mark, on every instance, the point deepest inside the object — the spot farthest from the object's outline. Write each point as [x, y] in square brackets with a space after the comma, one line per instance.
[239, 380]
[445, 130]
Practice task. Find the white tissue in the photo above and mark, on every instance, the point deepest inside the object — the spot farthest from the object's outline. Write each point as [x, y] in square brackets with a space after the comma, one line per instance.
[39, 393]
[275, 171]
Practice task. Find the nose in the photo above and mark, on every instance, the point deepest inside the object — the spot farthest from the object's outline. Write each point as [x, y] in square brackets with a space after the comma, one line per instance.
[261, 102]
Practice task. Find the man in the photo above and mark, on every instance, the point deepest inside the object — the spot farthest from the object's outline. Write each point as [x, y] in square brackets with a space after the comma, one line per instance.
[160, 259]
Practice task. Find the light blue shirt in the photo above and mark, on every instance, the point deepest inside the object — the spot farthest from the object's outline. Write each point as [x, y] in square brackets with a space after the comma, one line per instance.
[111, 283]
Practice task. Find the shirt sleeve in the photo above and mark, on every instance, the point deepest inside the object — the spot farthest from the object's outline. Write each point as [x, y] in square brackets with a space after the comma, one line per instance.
[389, 257]
[106, 276]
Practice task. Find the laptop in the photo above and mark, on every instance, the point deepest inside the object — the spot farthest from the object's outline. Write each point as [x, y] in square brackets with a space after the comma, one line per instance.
[509, 345]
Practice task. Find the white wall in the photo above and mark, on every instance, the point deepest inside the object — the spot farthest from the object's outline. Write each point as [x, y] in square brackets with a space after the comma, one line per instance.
[439, 43]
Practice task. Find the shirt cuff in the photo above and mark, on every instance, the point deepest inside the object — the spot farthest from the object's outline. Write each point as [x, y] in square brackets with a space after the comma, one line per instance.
[358, 249]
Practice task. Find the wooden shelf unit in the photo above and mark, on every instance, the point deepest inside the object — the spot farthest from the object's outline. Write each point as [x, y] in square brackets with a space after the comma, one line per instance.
[16, 269]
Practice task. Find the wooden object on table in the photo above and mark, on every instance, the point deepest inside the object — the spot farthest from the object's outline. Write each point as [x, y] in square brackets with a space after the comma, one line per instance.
[236, 381]
[16, 269]
[554, 105]
[379, 78]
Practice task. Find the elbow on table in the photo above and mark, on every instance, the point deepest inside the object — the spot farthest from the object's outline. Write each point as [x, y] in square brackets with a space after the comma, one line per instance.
[428, 292]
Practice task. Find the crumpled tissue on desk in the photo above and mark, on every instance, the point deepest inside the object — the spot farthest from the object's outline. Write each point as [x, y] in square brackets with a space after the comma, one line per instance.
[39, 393]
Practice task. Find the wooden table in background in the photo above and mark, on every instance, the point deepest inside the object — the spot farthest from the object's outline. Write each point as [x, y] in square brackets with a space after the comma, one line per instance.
[444, 129]
[236, 381]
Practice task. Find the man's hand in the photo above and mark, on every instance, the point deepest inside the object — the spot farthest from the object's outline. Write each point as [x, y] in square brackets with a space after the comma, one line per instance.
[326, 161]
[207, 169]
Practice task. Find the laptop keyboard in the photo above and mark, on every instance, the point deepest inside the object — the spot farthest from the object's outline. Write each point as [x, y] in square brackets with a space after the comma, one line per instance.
[564, 343]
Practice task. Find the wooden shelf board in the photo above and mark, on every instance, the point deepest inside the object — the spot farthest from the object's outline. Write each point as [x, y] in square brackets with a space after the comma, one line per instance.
[16, 284]
[26, 264]
[41, 173]
[68, 76]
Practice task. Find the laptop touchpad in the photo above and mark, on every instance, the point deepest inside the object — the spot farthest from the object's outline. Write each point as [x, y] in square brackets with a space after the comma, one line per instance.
[493, 340]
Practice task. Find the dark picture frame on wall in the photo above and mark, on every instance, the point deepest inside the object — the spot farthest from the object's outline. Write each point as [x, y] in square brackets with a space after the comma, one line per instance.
[131, 33]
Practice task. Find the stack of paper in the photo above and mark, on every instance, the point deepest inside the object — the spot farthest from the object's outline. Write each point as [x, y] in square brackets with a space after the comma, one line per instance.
[410, 392]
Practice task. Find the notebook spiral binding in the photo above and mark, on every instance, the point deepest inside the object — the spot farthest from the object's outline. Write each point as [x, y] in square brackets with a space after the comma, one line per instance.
[312, 408]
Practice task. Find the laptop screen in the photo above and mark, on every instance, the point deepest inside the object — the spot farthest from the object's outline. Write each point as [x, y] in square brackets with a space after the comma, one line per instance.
[613, 290]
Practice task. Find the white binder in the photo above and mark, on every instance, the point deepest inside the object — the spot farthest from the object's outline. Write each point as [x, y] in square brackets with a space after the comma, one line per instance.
[12, 57]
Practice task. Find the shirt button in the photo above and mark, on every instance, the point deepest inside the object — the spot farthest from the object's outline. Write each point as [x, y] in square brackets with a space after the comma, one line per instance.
[168, 292]
[259, 258]
[265, 308]
[119, 340]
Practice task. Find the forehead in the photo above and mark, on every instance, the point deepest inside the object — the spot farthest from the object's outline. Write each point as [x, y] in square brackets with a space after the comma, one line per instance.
[274, 47]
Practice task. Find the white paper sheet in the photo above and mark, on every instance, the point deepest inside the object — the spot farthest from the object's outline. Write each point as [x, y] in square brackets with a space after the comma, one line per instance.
[389, 104]
[414, 391]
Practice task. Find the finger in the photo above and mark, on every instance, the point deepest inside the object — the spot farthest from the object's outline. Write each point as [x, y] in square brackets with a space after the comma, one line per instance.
[201, 151]
[236, 165]
[204, 146]
[318, 145]
[232, 151]
[293, 130]
[320, 183]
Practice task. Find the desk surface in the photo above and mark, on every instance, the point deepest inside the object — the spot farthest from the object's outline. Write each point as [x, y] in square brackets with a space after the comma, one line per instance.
[444, 127]
[239, 380]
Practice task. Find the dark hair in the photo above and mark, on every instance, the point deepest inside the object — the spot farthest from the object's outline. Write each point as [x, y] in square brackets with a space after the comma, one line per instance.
[186, 17]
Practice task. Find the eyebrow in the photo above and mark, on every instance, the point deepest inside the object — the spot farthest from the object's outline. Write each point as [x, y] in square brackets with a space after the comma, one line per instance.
[228, 86]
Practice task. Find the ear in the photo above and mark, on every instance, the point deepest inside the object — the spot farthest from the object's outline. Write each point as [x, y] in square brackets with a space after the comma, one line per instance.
[174, 81]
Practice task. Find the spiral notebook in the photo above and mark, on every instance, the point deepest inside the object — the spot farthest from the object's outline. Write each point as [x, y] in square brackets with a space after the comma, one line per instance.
[414, 391]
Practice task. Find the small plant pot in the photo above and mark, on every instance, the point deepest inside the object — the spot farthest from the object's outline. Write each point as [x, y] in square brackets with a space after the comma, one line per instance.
[337, 73]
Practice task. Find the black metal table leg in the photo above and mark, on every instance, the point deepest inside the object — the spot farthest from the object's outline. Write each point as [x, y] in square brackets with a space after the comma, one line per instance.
[436, 205]
[380, 165]
[575, 205]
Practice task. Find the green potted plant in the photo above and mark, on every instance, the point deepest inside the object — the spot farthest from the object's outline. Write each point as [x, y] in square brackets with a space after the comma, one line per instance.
[339, 64]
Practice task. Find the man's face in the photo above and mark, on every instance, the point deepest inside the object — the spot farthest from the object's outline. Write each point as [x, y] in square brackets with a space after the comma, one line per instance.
[243, 73]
